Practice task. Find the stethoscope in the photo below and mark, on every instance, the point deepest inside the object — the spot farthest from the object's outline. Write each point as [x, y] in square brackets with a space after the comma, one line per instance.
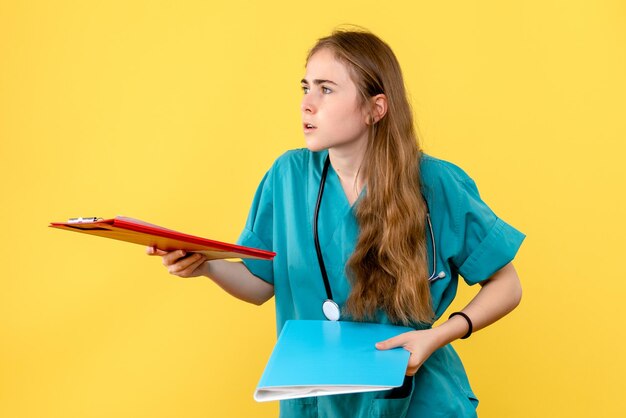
[329, 307]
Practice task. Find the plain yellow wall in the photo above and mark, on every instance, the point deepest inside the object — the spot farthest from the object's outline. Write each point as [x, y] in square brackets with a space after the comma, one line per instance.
[171, 112]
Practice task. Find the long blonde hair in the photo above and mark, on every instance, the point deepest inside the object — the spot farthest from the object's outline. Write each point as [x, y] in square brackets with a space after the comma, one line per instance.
[388, 269]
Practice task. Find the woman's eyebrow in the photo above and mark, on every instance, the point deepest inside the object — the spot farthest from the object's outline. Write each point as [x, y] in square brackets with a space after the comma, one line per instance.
[318, 82]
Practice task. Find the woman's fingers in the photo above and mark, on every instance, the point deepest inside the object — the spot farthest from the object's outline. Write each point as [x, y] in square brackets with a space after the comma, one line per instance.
[152, 250]
[191, 269]
[184, 266]
[173, 257]
[415, 342]
[178, 262]
[415, 362]
[397, 341]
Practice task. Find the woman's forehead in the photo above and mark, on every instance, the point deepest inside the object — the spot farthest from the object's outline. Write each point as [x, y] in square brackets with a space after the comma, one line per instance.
[323, 65]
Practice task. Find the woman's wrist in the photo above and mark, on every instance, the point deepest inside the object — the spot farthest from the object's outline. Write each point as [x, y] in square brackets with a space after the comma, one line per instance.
[205, 269]
[451, 330]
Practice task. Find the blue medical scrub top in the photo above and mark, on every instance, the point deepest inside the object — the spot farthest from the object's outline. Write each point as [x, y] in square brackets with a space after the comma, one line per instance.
[471, 241]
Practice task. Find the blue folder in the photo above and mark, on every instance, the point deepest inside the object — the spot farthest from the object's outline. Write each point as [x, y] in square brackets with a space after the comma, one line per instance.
[316, 358]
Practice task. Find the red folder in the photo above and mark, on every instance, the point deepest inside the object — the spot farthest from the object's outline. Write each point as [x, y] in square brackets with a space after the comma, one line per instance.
[139, 232]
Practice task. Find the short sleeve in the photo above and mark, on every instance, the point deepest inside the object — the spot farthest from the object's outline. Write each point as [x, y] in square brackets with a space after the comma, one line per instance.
[484, 242]
[258, 231]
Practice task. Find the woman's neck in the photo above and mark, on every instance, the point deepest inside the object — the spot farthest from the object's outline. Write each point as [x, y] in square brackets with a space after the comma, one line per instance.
[346, 162]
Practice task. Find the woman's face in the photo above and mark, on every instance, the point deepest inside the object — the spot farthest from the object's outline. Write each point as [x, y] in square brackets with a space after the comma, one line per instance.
[332, 115]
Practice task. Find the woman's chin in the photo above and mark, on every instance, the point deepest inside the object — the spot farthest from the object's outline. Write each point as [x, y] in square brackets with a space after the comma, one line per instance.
[313, 145]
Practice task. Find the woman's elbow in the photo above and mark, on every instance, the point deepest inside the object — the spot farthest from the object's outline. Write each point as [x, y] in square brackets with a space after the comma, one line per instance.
[516, 286]
[259, 301]
[508, 284]
[517, 292]
[262, 295]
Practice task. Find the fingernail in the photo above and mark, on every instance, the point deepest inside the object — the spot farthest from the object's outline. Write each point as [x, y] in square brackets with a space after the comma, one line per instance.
[182, 253]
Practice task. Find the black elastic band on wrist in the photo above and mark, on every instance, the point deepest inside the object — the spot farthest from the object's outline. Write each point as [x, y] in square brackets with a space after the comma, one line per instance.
[469, 323]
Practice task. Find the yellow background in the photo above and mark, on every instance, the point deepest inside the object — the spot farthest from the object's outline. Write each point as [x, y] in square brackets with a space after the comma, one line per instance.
[172, 111]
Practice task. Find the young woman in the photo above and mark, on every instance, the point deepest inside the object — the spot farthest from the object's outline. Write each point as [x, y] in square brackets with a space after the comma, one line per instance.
[394, 228]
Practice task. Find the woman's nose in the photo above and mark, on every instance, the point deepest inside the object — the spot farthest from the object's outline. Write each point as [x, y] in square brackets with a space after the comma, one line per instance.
[307, 105]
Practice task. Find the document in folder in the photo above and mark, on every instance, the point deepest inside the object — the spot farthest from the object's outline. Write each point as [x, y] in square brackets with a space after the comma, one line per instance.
[140, 232]
[316, 358]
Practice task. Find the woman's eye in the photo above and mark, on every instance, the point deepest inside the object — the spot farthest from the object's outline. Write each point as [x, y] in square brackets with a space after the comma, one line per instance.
[305, 89]
[326, 90]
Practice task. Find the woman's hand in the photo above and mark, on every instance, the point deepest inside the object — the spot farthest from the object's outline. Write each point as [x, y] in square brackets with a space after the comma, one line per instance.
[499, 295]
[421, 344]
[233, 277]
[179, 264]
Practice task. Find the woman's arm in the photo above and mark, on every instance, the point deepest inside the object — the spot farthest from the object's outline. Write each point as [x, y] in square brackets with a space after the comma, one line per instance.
[236, 279]
[233, 277]
[498, 296]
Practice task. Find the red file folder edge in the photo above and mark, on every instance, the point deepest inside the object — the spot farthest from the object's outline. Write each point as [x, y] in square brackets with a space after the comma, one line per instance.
[139, 232]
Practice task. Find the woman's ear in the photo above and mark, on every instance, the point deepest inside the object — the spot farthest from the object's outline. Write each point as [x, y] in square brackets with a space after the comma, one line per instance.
[378, 108]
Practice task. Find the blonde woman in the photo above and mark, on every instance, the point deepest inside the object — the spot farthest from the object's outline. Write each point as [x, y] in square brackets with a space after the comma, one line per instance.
[394, 228]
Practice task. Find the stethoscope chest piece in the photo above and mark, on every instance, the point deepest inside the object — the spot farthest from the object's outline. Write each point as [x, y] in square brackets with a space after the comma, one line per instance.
[331, 310]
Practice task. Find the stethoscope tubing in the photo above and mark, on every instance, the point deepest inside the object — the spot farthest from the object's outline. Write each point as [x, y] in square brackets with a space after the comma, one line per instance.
[441, 274]
[318, 249]
[433, 277]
